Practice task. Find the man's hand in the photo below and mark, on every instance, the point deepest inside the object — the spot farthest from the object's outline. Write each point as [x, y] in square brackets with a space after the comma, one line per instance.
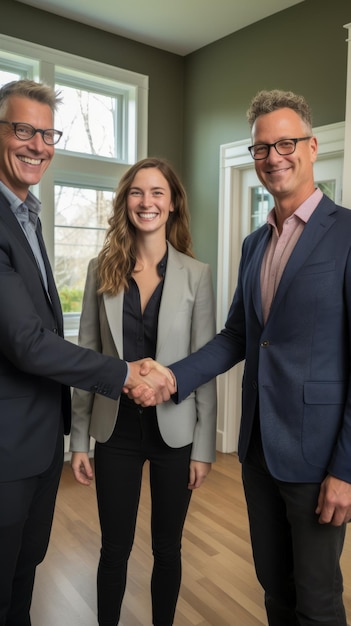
[334, 502]
[149, 383]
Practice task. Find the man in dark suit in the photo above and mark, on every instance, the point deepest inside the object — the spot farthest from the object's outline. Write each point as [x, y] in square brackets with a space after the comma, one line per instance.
[36, 364]
[290, 320]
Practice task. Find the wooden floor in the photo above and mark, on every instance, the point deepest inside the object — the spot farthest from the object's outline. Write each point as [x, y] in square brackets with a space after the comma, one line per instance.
[219, 586]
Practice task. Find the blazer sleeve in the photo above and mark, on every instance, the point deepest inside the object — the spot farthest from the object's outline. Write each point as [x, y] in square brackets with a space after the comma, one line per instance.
[218, 355]
[29, 337]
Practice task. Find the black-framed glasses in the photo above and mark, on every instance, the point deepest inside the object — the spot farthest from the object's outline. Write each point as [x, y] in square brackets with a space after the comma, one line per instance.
[283, 147]
[27, 131]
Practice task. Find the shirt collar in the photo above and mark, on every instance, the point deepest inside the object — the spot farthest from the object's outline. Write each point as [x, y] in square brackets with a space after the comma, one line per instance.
[304, 211]
[24, 211]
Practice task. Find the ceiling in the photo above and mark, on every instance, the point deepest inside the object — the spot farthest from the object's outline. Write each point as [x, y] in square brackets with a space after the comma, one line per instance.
[179, 26]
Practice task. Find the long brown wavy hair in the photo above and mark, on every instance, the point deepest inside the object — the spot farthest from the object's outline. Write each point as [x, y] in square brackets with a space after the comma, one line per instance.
[117, 257]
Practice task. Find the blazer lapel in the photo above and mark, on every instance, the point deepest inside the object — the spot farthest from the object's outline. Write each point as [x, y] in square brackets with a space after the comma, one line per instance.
[52, 295]
[319, 223]
[171, 297]
[255, 272]
[114, 314]
[16, 230]
[23, 244]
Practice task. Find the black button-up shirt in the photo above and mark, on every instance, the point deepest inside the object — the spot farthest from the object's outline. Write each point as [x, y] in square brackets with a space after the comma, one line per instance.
[140, 329]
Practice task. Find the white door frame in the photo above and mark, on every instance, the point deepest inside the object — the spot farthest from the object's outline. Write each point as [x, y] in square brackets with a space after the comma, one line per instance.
[234, 159]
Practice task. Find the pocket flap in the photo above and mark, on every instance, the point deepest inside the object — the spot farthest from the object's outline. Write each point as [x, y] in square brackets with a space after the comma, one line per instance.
[324, 393]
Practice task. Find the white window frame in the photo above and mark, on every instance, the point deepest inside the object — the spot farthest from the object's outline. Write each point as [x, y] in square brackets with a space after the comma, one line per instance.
[99, 173]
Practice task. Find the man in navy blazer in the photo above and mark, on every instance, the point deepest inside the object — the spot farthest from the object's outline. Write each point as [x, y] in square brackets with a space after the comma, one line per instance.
[290, 320]
[36, 364]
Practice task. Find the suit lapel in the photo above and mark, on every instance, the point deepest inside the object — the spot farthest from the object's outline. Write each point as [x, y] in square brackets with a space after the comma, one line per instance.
[319, 223]
[12, 224]
[114, 314]
[254, 271]
[51, 294]
[172, 295]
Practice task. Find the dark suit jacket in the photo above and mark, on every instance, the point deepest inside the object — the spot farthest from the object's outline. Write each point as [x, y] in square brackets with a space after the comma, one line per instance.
[297, 365]
[36, 364]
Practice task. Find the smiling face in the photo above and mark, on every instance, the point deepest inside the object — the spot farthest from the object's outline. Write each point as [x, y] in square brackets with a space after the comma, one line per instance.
[23, 163]
[149, 201]
[288, 178]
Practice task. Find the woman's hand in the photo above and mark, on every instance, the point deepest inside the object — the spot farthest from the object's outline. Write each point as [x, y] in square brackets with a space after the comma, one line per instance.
[81, 467]
[197, 474]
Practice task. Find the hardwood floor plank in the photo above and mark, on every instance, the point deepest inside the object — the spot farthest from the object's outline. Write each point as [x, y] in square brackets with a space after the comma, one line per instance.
[219, 586]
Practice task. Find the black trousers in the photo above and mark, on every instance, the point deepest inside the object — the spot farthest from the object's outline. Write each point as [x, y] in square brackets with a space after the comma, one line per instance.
[26, 512]
[297, 559]
[118, 472]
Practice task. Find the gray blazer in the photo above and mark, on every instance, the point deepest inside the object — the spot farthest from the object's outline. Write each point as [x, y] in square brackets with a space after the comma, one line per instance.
[186, 321]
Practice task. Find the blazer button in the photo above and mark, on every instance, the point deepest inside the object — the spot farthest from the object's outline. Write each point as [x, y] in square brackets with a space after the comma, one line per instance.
[265, 344]
[54, 330]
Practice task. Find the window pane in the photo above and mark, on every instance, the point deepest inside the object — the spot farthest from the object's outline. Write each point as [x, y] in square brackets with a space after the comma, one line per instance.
[80, 225]
[328, 187]
[6, 77]
[15, 67]
[89, 122]
[261, 203]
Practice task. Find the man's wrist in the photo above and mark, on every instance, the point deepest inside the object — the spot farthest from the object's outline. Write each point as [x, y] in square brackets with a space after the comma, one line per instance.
[174, 380]
[128, 372]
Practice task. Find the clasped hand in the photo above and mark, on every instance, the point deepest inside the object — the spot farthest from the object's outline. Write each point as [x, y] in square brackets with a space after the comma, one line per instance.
[149, 383]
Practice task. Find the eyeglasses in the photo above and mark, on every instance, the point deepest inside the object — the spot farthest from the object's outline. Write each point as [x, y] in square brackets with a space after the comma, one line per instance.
[27, 131]
[283, 147]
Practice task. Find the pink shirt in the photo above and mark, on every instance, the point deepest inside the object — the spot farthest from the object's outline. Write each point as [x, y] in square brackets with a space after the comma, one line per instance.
[281, 246]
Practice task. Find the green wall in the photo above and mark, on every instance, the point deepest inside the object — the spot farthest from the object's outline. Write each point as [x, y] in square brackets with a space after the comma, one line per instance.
[198, 102]
[302, 49]
[165, 70]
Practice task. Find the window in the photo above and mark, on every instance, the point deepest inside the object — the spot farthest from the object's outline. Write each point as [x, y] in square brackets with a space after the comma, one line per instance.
[88, 98]
[80, 224]
[261, 203]
[103, 117]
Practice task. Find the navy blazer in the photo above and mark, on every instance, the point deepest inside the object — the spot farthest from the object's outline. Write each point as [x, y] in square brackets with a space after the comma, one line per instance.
[297, 365]
[36, 364]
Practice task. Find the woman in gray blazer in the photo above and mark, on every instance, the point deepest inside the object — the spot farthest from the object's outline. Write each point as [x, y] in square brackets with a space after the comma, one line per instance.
[145, 296]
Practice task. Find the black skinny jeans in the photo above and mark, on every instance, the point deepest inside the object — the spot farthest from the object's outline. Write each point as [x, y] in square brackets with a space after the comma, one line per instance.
[118, 469]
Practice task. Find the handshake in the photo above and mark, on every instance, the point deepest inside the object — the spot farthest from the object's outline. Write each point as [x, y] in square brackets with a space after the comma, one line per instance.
[149, 383]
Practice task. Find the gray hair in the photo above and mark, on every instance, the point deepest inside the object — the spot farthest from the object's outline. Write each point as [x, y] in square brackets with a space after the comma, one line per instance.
[30, 89]
[268, 101]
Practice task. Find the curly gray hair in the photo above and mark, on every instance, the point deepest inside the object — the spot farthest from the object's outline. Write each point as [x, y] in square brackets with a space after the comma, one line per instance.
[268, 101]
